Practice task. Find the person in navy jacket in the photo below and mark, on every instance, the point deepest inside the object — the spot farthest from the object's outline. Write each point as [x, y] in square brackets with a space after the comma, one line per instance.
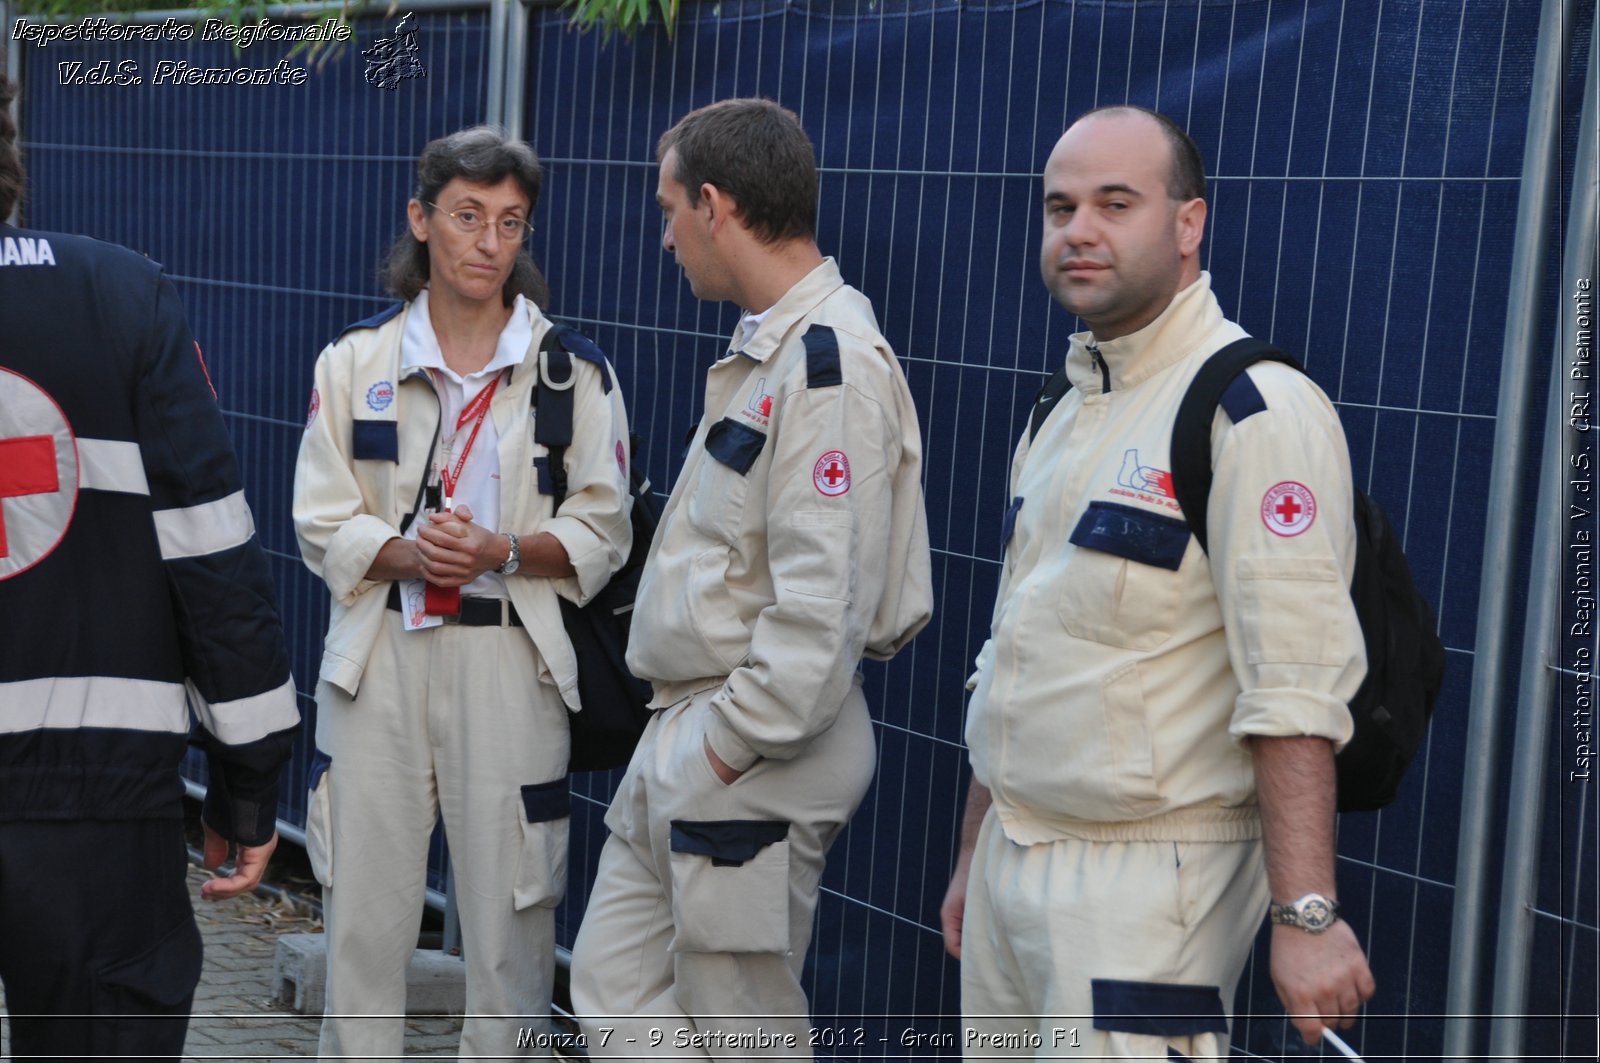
[136, 616]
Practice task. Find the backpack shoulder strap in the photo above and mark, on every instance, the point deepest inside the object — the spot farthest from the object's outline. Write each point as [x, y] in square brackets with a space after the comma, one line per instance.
[1191, 430]
[1052, 392]
[552, 399]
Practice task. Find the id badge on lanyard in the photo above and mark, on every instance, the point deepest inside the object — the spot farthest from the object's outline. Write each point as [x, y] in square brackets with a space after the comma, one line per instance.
[439, 602]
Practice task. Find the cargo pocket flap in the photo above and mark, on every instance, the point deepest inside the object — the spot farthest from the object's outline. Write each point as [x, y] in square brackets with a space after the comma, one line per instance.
[1008, 523]
[1157, 1009]
[319, 764]
[319, 818]
[728, 842]
[545, 801]
[541, 875]
[730, 886]
[1133, 533]
[734, 444]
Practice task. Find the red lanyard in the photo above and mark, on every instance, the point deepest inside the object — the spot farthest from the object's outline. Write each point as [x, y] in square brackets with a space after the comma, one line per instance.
[474, 411]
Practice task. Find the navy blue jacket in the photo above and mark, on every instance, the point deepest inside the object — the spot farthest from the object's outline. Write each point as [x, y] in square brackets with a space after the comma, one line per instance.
[136, 610]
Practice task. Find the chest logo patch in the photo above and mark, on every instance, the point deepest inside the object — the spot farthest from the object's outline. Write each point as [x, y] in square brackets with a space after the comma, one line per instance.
[1288, 508]
[380, 395]
[1146, 478]
[759, 406]
[831, 473]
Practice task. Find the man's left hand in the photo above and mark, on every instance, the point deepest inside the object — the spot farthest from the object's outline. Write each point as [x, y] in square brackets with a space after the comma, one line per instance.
[1322, 979]
[248, 868]
[724, 770]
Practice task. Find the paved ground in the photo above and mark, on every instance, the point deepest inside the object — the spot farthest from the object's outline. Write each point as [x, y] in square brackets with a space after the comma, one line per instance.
[235, 1015]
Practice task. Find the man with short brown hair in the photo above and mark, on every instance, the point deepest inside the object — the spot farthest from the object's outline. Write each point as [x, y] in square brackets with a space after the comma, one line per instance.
[793, 545]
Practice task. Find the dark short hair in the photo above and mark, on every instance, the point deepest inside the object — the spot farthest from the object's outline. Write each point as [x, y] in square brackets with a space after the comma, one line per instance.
[758, 153]
[13, 178]
[485, 156]
[1188, 177]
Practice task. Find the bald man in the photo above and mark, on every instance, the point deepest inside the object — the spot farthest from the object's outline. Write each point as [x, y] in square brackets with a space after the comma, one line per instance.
[1152, 729]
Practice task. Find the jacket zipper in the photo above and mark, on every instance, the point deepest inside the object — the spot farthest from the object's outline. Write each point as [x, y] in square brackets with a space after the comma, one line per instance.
[1100, 364]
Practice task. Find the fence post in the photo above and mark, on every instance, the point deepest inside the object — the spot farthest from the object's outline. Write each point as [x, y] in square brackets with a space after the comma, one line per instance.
[1542, 637]
[1491, 648]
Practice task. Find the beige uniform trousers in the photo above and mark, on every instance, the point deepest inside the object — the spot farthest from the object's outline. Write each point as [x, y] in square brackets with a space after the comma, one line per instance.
[698, 925]
[450, 721]
[1105, 950]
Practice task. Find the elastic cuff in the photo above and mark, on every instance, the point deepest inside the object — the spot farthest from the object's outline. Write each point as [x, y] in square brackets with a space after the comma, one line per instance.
[732, 749]
[591, 561]
[247, 823]
[1284, 712]
[351, 553]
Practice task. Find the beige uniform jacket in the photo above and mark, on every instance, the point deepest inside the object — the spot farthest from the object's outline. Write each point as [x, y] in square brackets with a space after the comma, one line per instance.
[795, 540]
[365, 453]
[1124, 667]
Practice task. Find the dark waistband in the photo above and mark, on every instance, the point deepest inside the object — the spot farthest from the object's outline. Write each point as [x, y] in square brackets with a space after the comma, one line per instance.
[475, 612]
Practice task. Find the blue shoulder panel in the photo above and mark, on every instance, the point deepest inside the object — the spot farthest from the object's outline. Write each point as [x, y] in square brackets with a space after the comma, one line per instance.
[1242, 398]
[822, 358]
[372, 322]
[581, 346]
[374, 440]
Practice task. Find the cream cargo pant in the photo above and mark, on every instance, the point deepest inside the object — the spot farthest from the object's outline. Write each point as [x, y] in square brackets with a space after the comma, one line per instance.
[1105, 950]
[449, 721]
[695, 935]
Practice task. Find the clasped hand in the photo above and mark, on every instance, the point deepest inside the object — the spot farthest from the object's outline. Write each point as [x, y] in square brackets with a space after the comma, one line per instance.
[454, 551]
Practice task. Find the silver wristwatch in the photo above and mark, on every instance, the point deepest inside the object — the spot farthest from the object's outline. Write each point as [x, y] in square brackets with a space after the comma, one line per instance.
[513, 559]
[1312, 913]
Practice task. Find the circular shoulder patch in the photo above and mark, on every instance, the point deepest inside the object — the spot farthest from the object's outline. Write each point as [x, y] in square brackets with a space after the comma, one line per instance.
[831, 473]
[622, 460]
[313, 407]
[380, 395]
[38, 474]
[1288, 508]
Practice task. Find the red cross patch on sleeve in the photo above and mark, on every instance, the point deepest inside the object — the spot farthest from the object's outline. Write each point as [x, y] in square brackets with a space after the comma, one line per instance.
[831, 473]
[1288, 508]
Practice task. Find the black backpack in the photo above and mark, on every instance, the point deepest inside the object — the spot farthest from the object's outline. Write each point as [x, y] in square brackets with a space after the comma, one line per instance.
[615, 702]
[1405, 658]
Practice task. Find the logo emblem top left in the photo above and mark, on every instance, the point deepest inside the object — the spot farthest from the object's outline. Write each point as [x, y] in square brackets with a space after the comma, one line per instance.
[38, 474]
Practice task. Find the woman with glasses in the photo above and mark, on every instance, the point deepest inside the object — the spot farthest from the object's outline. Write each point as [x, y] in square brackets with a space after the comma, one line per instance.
[423, 499]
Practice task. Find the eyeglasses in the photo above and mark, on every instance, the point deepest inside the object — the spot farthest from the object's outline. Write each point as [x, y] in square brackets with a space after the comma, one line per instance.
[470, 223]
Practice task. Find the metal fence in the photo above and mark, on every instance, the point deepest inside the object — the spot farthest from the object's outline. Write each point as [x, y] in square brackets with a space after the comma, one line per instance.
[1366, 160]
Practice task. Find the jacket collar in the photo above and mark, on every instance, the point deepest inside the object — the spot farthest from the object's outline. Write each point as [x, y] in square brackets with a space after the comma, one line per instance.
[419, 346]
[796, 303]
[1180, 330]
